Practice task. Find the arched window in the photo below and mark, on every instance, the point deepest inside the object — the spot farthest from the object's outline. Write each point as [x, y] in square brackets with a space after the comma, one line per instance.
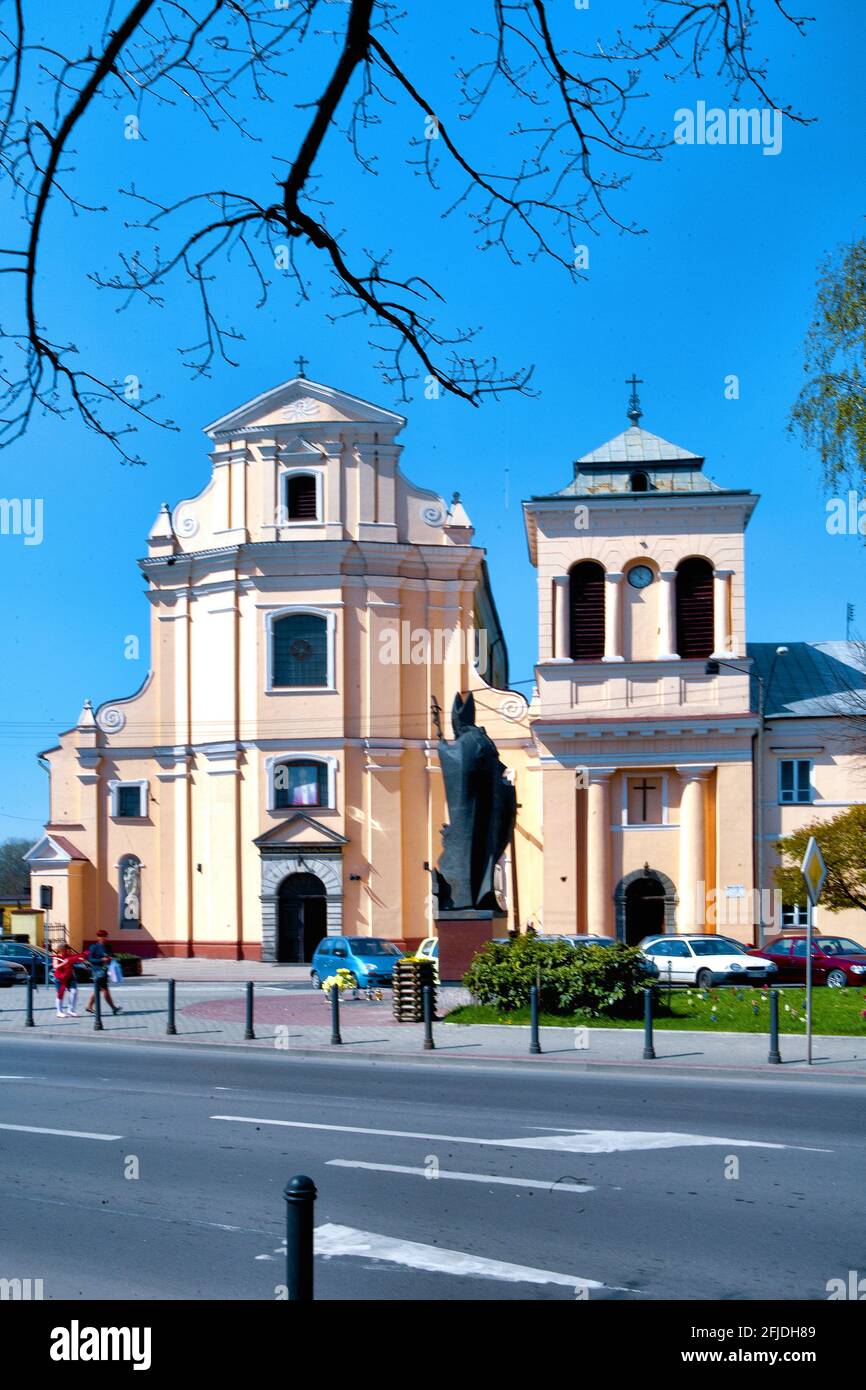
[301, 497]
[299, 650]
[639, 482]
[694, 608]
[586, 604]
[300, 783]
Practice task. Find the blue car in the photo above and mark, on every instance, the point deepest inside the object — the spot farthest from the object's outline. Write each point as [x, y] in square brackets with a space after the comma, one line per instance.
[371, 959]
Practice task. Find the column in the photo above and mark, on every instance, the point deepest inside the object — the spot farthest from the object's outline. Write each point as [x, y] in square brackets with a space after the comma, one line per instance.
[691, 889]
[599, 890]
[561, 643]
[667, 615]
[722, 613]
[612, 616]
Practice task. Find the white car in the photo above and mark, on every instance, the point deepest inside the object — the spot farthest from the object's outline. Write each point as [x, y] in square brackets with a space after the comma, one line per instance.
[705, 961]
[429, 950]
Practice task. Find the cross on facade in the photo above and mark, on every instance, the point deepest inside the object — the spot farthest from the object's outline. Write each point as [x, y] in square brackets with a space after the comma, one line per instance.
[634, 411]
[644, 787]
[302, 363]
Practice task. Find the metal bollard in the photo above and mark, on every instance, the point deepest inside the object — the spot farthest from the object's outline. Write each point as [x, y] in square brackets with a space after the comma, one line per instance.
[170, 1026]
[29, 1021]
[534, 1044]
[97, 1005]
[427, 998]
[300, 1194]
[774, 1055]
[249, 1031]
[335, 1032]
[649, 1051]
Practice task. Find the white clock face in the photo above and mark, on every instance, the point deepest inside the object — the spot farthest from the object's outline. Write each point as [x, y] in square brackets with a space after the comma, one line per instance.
[640, 576]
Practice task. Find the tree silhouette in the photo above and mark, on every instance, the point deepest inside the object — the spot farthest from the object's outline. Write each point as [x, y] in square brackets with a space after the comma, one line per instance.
[527, 191]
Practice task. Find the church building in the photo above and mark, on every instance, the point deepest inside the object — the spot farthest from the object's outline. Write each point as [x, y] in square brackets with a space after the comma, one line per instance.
[313, 615]
[276, 776]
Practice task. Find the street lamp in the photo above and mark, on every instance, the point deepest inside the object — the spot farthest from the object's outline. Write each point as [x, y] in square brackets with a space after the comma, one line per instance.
[712, 669]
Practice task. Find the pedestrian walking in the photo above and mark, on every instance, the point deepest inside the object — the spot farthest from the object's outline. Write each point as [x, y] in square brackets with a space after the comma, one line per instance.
[63, 964]
[98, 958]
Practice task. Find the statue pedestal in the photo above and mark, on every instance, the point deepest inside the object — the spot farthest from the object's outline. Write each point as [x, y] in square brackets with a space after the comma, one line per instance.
[462, 934]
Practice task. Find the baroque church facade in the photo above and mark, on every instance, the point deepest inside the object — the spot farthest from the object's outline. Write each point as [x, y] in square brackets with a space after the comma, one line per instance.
[276, 777]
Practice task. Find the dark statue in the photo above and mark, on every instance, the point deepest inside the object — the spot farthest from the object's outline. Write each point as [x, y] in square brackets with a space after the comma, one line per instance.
[481, 810]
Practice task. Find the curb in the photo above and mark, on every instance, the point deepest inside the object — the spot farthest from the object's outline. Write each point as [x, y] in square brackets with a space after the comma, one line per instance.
[488, 1060]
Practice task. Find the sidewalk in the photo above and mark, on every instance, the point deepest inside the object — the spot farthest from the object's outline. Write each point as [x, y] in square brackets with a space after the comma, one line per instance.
[300, 1021]
[237, 971]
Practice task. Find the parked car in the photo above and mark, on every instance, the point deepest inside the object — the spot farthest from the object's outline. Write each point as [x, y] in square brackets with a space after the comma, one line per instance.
[30, 957]
[429, 950]
[706, 960]
[371, 959]
[650, 969]
[11, 973]
[837, 961]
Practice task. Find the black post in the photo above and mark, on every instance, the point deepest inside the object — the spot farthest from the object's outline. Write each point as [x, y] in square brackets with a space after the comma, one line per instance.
[300, 1194]
[774, 1055]
[534, 1044]
[335, 1038]
[170, 1026]
[649, 1051]
[97, 1004]
[427, 997]
[29, 1020]
[249, 1032]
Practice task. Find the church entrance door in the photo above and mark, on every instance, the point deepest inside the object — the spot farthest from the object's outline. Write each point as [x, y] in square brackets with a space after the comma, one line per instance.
[301, 917]
[644, 909]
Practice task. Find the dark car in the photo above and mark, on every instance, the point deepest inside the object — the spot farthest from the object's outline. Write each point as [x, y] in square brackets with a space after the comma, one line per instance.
[30, 957]
[11, 973]
[650, 969]
[837, 961]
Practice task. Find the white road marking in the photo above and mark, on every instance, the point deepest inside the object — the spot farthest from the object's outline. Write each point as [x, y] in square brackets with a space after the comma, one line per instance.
[17, 1078]
[586, 1141]
[538, 1184]
[64, 1133]
[331, 1241]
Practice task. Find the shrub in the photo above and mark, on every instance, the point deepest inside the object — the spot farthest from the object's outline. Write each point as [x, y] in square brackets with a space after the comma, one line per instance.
[594, 980]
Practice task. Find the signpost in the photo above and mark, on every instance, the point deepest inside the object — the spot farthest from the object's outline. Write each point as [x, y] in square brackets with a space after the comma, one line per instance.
[814, 872]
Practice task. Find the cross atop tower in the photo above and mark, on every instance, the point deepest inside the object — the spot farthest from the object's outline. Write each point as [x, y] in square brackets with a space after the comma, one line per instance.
[302, 363]
[634, 411]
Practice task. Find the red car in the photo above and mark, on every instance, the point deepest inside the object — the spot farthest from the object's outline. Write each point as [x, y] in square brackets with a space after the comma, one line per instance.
[837, 961]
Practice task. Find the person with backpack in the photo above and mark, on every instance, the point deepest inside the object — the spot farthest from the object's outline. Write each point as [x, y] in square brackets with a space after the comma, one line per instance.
[99, 958]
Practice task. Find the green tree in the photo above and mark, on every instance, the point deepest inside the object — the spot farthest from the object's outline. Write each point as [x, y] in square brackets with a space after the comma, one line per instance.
[14, 873]
[842, 842]
[830, 411]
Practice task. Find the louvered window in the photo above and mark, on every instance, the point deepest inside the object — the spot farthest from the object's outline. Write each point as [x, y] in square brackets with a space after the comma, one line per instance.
[695, 608]
[301, 497]
[586, 594]
[300, 650]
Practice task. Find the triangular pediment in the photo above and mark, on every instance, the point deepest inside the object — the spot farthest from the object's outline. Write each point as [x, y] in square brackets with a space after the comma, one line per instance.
[301, 830]
[53, 849]
[301, 401]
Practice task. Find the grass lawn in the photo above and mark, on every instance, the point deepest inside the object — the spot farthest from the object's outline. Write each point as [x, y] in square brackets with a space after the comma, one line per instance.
[727, 1010]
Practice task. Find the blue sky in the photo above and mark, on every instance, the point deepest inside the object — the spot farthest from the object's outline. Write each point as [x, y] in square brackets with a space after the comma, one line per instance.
[722, 282]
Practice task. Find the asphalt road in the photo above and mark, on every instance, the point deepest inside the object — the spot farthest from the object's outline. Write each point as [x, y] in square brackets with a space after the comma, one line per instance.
[436, 1181]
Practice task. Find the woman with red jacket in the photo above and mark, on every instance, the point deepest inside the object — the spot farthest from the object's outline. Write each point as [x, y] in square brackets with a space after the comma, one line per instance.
[63, 964]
